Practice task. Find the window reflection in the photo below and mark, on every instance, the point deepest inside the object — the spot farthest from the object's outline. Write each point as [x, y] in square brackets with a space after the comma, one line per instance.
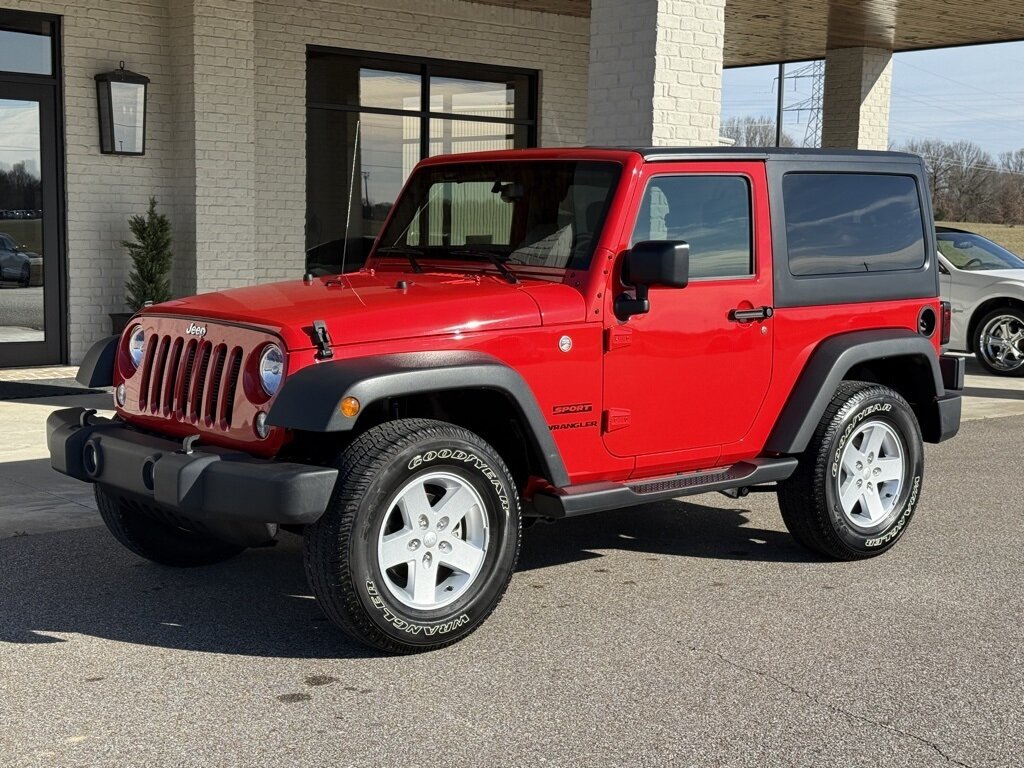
[21, 223]
[390, 90]
[26, 53]
[439, 113]
[389, 147]
[472, 97]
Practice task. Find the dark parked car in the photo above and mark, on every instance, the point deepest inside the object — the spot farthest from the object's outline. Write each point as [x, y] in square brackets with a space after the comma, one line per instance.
[18, 265]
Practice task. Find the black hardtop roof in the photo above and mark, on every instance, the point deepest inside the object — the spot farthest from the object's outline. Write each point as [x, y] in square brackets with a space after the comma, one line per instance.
[787, 154]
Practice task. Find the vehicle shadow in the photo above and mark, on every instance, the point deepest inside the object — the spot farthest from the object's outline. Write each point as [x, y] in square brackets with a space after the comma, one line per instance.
[674, 528]
[80, 582]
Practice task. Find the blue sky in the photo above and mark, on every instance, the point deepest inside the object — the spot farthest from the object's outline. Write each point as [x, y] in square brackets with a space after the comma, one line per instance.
[974, 93]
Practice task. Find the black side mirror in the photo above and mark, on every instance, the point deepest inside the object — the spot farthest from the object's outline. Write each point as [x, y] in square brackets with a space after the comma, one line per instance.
[652, 263]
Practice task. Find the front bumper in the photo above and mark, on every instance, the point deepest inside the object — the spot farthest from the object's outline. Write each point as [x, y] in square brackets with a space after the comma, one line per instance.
[208, 484]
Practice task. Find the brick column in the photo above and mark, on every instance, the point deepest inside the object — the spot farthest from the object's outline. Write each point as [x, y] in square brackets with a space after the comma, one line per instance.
[855, 108]
[215, 147]
[655, 72]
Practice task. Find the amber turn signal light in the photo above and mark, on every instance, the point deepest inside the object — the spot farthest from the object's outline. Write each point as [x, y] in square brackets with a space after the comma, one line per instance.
[349, 407]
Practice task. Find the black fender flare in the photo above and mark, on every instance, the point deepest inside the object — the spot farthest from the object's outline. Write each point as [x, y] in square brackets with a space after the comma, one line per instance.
[310, 400]
[828, 366]
[97, 368]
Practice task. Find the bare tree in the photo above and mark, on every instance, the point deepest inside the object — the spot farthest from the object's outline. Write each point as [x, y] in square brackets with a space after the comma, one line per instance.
[753, 132]
[963, 179]
[1010, 190]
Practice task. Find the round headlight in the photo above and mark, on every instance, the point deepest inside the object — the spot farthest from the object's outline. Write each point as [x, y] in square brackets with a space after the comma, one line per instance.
[137, 345]
[271, 369]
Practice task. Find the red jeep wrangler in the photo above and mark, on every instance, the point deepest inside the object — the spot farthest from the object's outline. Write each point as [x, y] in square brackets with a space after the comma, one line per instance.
[539, 334]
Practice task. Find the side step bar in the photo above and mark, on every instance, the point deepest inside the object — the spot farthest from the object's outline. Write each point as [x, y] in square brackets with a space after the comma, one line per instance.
[576, 500]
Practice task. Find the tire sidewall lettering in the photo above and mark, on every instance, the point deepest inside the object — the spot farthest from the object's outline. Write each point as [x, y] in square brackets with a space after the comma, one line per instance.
[854, 423]
[502, 504]
[904, 423]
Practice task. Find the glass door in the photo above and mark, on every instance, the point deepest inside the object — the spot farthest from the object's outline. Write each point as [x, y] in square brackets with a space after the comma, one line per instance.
[31, 259]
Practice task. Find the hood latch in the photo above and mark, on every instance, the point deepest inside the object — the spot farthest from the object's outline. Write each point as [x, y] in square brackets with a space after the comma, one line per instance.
[322, 339]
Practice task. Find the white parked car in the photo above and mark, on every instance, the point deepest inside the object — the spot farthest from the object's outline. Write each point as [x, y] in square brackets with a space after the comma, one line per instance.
[984, 282]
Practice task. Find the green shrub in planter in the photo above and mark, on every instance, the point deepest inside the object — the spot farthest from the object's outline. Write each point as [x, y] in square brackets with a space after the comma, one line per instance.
[149, 279]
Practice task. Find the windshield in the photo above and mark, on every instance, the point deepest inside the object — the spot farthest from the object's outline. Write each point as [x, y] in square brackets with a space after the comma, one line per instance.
[972, 252]
[545, 213]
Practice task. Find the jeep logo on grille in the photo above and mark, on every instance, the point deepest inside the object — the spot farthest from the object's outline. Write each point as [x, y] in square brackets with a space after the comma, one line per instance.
[196, 330]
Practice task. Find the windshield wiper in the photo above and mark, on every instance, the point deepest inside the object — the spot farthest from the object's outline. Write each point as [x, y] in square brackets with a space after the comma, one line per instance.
[409, 253]
[494, 258]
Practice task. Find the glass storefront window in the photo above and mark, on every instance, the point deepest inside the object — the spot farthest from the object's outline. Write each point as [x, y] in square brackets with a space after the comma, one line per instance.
[391, 90]
[472, 97]
[405, 110]
[22, 317]
[27, 51]
[448, 137]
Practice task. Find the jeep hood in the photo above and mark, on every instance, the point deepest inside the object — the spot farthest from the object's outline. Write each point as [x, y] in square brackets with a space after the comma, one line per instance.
[362, 307]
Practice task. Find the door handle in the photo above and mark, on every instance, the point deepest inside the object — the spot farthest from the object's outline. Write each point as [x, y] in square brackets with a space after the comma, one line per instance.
[747, 315]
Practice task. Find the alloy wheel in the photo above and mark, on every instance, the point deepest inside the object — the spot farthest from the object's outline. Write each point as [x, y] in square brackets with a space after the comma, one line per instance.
[1002, 342]
[871, 475]
[433, 540]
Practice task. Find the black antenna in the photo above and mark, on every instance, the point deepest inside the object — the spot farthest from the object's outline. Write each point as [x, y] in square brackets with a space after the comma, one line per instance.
[351, 191]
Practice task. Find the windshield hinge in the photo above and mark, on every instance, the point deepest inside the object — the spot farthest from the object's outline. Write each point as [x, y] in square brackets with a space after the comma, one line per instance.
[322, 339]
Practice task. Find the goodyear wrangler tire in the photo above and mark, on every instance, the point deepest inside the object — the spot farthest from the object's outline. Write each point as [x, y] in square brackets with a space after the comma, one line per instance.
[420, 537]
[859, 481]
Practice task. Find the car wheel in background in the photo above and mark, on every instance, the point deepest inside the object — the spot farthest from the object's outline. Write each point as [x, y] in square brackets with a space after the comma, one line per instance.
[999, 342]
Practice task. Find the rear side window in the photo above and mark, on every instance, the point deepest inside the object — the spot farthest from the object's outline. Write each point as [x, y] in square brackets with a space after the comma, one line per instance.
[839, 223]
[711, 213]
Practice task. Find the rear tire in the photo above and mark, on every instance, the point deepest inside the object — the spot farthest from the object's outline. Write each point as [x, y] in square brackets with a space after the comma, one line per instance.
[859, 480]
[419, 539]
[156, 540]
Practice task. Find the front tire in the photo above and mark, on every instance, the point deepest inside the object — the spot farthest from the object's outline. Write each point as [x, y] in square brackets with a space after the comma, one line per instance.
[156, 540]
[859, 480]
[420, 538]
[999, 342]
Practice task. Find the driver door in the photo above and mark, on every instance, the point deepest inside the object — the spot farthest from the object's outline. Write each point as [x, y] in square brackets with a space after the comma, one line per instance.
[688, 377]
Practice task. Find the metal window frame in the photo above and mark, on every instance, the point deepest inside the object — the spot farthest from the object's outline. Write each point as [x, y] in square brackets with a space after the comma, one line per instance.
[425, 68]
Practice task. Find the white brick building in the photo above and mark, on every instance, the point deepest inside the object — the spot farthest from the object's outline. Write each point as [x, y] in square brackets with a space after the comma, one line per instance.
[250, 124]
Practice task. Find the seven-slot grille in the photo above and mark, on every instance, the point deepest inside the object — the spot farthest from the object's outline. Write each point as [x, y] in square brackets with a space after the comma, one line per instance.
[191, 380]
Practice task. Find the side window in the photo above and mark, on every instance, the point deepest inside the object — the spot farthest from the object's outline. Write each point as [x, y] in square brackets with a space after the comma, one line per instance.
[711, 213]
[852, 223]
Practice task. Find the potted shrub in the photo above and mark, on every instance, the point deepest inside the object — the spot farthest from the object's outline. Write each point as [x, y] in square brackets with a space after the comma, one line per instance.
[150, 251]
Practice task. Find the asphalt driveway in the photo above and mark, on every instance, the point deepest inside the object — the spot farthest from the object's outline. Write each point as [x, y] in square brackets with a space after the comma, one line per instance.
[691, 633]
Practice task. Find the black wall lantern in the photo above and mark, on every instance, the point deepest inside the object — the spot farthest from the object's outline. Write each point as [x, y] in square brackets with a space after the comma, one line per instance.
[122, 101]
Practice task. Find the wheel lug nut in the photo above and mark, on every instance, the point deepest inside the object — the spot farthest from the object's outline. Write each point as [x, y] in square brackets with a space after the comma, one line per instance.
[860, 483]
[442, 523]
[427, 559]
[414, 545]
[423, 522]
[860, 465]
[877, 470]
[445, 547]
